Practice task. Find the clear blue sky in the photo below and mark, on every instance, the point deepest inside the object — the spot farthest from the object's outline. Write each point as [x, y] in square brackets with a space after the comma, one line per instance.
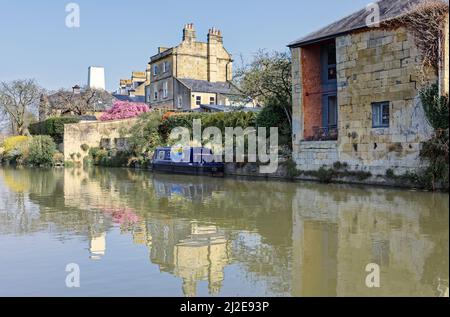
[122, 35]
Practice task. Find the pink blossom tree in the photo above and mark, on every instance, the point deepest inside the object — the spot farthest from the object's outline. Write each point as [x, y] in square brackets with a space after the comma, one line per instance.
[124, 110]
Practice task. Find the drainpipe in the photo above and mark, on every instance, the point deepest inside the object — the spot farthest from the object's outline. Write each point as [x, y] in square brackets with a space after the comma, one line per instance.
[440, 65]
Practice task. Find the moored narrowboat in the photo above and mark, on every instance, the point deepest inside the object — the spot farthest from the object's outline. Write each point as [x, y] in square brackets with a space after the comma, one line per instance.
[189, 160]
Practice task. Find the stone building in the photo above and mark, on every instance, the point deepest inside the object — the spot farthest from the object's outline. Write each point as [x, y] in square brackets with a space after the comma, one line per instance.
[355, 94]
[135, 86]
[191, 74]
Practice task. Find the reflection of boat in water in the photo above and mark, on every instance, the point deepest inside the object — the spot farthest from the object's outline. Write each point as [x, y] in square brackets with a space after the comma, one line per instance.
[191, 160]
[166, 185]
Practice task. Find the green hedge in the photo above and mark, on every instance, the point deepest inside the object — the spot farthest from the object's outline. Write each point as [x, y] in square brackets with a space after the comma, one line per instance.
[220, 120]
[53, 127]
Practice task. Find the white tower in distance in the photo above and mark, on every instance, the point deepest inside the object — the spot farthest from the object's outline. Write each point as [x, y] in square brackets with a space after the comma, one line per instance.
[96, 77]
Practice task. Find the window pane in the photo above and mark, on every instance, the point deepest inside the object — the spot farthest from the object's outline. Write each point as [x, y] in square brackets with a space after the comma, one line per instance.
[376, 115]
[380, 114]
[332, 73]
[332, 110]
[385, 115]
[332, 55]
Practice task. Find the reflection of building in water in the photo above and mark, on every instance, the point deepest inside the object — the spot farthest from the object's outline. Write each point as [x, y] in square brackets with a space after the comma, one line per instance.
[97, 246]
[188, 250]
[336, 234]
[202, 256]
[141, 234]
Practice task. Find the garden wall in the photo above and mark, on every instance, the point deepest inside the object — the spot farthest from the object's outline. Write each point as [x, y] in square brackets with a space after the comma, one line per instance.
[93, 134]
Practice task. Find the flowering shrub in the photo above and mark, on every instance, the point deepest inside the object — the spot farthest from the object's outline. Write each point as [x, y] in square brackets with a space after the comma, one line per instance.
[14, 143]
[14, 149]
[124, 110]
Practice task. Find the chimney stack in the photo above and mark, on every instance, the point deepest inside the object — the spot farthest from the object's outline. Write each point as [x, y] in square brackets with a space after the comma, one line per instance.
[76, 90]
[215, 34]
[215, 41]
[189, 33]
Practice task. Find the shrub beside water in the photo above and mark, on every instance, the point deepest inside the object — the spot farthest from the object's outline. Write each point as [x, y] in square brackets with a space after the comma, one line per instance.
[41, 150]
[436, 150]
[37, 150]
[102, 157]
[15, 149]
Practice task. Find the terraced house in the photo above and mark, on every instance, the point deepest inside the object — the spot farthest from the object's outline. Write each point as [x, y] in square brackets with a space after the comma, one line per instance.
[135, 86]
[356, 92]
[191, 74]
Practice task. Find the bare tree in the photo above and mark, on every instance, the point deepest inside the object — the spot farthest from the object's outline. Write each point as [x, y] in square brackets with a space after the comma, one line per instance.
[18, 101]
[426, 21]
[78, 102]
[267, 79]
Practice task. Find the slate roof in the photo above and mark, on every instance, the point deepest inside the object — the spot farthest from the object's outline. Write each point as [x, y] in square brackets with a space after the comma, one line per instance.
[205, 86]
[223, 108]
[129, 98]
[389, 9]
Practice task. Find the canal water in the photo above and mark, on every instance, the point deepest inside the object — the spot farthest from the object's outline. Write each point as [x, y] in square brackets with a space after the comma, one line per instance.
[132, 233]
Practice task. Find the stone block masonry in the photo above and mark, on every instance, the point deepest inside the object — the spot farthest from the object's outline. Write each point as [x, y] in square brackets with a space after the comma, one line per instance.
[93, 134]
[380, 66]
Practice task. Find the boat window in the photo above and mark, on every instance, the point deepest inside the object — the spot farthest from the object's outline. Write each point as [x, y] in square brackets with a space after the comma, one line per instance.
[161, 155]
[197, 156]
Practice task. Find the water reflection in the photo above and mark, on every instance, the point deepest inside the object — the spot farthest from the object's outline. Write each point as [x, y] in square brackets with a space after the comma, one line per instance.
[272, 238]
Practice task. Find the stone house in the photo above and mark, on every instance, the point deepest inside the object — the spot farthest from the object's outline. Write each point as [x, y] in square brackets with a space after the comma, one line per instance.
[135, 86]
[356, 94]
[191, 74]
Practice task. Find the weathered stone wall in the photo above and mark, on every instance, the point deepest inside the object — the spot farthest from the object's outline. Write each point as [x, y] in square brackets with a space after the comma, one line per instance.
[313, 155]
[297, 113]
[91, 134]
[192, 61]
[378, 66]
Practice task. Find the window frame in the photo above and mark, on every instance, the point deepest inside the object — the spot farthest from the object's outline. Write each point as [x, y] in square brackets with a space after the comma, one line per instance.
[212, 100]
[198, 100]
[155, 70]
[381, 105]
[165, 89]
[165, 67]
[335, 113]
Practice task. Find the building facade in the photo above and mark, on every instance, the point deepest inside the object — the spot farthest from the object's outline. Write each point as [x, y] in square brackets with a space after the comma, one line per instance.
[135, 86]
[356, 95]
[190, 74]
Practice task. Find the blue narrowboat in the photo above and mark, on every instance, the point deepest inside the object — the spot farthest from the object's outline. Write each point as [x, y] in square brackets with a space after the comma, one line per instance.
[190, 160]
